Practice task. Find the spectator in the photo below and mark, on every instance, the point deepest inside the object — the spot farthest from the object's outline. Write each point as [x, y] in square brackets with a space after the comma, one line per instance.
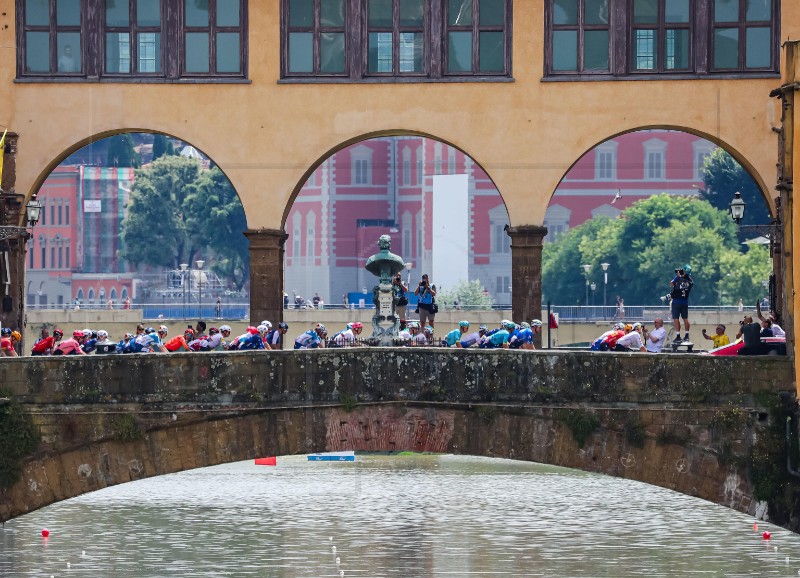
[427, 301]
[777, 330]
[681, 287]
[765, 303]
[316, 299]
[400, 291]
[719, 338]
[127, 303]
[741, 306]
[285, 300]
[751, 333]
[110, 304]
[218, 308]
[620, 308]
[654, 340]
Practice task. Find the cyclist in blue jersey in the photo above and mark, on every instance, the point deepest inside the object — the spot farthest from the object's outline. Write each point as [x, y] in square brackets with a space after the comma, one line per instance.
[521, 337]
[312, 339]
[453, 339]
[499, 339]
[254, 339]
[274, 337]
[473, 338]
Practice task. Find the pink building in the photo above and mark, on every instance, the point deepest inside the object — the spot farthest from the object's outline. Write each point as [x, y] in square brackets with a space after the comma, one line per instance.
[75, 249]
[635, 165]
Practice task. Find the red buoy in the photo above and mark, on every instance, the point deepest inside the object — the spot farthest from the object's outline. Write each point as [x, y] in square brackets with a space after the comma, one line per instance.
[766, 535]
[45, 532]
[755, 527]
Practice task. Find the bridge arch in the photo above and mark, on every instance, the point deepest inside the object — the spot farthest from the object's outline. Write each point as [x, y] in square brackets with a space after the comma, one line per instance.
[739, 156]
[356, 139]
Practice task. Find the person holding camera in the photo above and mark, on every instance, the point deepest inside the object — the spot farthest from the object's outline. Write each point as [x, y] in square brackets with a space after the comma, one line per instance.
[751, 332]
[681, 287]
[719, 338]
[400, 294]
[427, 301]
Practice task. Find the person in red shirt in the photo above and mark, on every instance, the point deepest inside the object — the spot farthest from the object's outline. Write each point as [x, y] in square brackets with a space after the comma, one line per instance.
[71, 346]
[8, 341]
[46, 345]
[180, 341]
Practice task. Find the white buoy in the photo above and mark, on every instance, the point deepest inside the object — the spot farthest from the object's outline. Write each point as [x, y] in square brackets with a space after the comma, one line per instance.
[341, 573]
[69, 565]
[333, 549]
[787, 559]
[775, 548]
[83, 552]
[337, 560]
[330, 538]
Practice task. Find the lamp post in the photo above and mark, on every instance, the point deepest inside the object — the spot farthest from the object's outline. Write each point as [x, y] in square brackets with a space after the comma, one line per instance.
[586, 269]
[184, 266]
[409, 265]
[200, 264]
[593, 286]
[605, 267]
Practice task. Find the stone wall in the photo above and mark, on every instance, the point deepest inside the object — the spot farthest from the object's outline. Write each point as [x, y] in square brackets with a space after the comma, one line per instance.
[683, 422]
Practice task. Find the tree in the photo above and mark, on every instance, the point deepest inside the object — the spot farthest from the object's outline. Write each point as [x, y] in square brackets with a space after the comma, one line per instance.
[156, 229]
[121, 153]
[467, 294]
[162, 146]
[722, 177]
[644, 246]
[213, 206]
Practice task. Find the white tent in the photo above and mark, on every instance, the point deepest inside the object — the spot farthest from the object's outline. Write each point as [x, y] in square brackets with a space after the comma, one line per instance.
[192, 153]
[756, 241]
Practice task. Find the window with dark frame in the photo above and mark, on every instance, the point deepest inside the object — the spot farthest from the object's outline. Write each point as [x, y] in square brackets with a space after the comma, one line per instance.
[580, 36]
[396, 37]
[316, 37]
[154, 39]
[656, 37]
[409, 39]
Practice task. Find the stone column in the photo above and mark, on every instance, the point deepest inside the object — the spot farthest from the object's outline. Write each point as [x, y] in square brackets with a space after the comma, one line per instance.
[266, 274]
[526, 274]
[12, 213]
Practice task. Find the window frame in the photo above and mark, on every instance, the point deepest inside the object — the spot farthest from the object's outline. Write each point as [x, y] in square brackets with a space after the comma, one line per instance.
[172, 53]
[581, 28]
[661, 26]
[701, 45]
[316, 29]
[396, 30]
[475, 28]
[52, 28]
[435, 47]
[133, 30]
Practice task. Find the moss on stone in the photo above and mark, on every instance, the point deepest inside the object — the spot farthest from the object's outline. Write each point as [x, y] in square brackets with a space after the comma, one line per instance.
[19, 437]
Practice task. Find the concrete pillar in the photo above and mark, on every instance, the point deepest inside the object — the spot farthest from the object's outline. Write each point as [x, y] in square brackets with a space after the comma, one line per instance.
[526, 273]
[266, 274]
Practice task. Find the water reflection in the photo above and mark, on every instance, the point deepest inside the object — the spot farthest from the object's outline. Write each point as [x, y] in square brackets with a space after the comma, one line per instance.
[391, 516]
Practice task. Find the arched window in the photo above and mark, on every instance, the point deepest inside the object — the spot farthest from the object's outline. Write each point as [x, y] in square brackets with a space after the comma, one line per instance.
[113, 293]
[91, 296]
[406, 166]
[556, 219]
[311, 226]
[361, 165]
[124, 293]
[79, 296]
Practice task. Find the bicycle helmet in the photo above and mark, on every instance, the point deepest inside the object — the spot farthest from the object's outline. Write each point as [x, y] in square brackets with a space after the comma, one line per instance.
[428, 330]
[628, 327]
[320, 329]
[509, 325]
[6, 332]
[349, 326]
[188, 331]
[267, 323]
[87, 333]
[283, 325]
[213, 331]
[225, 328]
[260, 329]
[77, 334]
[358, 325]
[129, 336]
[483, 329]
[525, 325]
[150, 330]
[637, 325]
[463, 323]
[58, 333]
[102, 335]
[16, 335]
[536, 322]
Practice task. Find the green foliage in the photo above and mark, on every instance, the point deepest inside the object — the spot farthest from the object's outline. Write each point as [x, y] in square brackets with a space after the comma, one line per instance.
[581, 423]
[19, 437]
[722, 177]
[635, 433]
[162, 146]
[121, 153]
[467, 293]
[644, 246]
[124, 428]
[348, 402]
[729, 419]
[177, 210]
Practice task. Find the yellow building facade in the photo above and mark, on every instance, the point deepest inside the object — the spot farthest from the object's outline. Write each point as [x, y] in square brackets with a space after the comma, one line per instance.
[517, 85]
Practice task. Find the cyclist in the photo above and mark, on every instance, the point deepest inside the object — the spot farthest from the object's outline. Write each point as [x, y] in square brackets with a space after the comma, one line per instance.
[348, 336]
[150, 341]
[522, 337]
[71, 346]
[46, 345]
[180, 341]
[125, 344]
[312, 339]
[473, 338]
[499, 339]
[104, 344]
[253, 339]
[273, 338]
[454, 338]
[90, 341]
[7, 342]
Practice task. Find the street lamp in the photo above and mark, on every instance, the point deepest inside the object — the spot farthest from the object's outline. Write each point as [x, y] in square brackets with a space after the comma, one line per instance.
[32, 211]
[409, 265]
[593, 286]
[586, 269]
[736, 207]
[184, 267]
[200, 264]
[605, 267]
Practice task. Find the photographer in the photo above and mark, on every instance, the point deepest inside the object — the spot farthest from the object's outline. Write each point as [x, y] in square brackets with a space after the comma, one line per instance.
[719, 338]
[400, 295]
[427, 303]
[751, 332]
[681, 287]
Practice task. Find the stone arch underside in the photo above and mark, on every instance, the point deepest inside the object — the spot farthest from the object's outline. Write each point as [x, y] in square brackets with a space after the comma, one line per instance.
[534, 435]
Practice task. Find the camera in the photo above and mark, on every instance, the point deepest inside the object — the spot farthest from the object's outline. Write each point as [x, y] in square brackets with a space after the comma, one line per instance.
[665, 298]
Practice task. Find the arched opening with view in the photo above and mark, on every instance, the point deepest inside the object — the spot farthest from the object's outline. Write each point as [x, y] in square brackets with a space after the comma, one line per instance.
[139, 220]
[444, 214]
[637, 206]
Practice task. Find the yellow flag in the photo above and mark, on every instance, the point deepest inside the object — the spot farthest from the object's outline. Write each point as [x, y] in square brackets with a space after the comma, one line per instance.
[2, 152]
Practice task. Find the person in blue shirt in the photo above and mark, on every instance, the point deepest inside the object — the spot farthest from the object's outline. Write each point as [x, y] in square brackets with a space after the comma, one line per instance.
[253, 340]
[453, 339]
[91, 341]
[473, 338]
[522, 337]
[312, 339]
[500, 337]
[274, 337]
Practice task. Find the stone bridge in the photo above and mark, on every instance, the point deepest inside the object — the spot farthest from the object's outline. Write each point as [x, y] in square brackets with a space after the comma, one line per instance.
[663, 420]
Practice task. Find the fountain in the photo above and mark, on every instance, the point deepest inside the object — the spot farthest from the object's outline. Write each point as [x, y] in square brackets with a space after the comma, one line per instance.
[384, 265]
